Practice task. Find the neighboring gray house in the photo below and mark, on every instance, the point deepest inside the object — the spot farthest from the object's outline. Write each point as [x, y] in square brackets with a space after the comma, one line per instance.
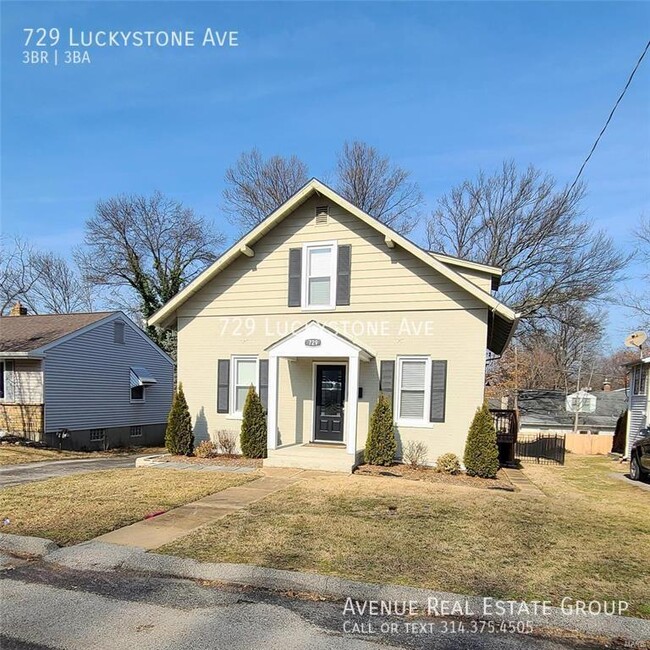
[96, 377]
[545, 411]
[639, 401]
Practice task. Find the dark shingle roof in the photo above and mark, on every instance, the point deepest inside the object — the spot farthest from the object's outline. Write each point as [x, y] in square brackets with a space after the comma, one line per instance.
[547, 408]
[27, 333]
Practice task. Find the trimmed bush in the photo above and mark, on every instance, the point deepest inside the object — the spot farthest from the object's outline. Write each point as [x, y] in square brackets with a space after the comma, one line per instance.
[381, 444]
[206, 449]
[179, 438]
[448, 464]
[415, 454]
[481, 451]
[252, 439]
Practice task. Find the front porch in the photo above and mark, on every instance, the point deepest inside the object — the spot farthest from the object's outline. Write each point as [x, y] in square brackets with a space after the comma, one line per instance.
[324, 457]
[313, 400]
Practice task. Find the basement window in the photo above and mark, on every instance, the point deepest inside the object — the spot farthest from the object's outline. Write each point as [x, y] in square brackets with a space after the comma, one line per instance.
[97, 435]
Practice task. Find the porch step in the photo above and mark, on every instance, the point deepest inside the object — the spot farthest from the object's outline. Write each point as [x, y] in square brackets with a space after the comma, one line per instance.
[316, 457]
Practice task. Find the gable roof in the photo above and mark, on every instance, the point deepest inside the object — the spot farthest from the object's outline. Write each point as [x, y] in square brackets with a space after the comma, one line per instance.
[27, 333]
[548, 408]
[502, 317]
[32, 336]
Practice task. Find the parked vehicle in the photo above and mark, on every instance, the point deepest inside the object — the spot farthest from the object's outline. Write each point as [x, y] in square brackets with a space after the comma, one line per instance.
[640, 456]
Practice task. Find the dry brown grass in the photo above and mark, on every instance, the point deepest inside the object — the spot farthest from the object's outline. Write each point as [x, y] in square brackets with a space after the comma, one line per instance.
[589, 539]
[76, 508]
[18, 455]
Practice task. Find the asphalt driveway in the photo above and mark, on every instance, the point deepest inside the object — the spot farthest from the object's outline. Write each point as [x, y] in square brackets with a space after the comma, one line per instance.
[29, 472]
[625, 478]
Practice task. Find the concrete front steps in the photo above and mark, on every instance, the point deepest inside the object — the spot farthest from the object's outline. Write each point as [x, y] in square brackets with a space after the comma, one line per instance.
[322, 457]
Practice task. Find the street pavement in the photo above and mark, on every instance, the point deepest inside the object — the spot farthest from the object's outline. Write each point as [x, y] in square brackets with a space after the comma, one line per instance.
[29, 472]
[44, 606]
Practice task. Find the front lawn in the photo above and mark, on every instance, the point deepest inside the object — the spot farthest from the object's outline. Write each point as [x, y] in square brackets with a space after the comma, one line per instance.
[11, 454]
[589, 540]
[76, 508]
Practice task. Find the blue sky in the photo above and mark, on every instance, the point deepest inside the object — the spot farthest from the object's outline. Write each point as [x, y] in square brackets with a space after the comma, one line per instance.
[445, 89]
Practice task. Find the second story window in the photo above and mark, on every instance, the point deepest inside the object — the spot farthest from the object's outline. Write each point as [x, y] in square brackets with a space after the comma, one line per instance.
[639, 380]
[319, 275]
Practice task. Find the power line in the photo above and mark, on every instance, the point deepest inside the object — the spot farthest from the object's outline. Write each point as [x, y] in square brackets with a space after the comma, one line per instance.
[609, 119]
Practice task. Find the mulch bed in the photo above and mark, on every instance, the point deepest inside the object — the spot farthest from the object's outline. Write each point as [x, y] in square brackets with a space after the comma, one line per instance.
[236, 461]
[430, 475]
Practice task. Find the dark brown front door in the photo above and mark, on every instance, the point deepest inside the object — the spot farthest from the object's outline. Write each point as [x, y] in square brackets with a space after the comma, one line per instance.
[330, 394]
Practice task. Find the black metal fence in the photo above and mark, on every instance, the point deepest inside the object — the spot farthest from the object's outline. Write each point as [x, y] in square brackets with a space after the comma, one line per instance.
[543, 448]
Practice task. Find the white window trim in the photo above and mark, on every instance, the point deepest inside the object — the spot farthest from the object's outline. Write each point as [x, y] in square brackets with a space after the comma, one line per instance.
[412, 422]
[638, 376]
[305, 275]
[237, 415]
[138, 401]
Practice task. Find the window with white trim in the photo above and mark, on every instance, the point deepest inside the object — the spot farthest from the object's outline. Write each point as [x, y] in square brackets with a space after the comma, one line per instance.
[137, 394]
[413, 390]
[319, 275]
[640, 380]
[244, 375]
[2, 379]
[135, 432]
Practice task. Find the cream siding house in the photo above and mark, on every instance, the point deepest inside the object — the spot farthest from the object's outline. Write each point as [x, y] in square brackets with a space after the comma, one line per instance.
[639, 401]
[321, 307]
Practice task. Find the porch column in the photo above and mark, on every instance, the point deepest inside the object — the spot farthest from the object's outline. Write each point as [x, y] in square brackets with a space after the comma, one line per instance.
[272, 413]
[353, 399]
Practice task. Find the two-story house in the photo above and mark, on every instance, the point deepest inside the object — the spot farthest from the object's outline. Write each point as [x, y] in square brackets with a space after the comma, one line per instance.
[321, 307]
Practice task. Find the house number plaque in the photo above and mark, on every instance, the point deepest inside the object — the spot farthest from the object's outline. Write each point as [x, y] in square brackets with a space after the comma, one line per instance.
[312, 343]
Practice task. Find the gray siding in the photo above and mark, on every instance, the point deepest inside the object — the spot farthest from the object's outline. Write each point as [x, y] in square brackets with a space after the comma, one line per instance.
[87, 381]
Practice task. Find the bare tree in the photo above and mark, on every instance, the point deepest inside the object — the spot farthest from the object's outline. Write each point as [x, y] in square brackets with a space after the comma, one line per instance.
[565, 351]
[385, 191]
[534, 231]
[256, 187]
[150, 246]
[638, 300]
[59, 288]
[18, 275]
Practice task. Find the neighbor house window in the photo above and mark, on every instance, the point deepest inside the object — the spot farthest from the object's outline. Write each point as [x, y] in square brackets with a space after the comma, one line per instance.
[639, 380]
[244, 375]
[2, 379]
[137, 394]
[136, 432]
[319, 275]
[413, 381]
[97, 435]
[139, 379]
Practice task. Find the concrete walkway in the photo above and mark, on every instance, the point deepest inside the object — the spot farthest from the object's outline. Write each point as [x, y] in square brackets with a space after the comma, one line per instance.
[522, 483]
[158, 531]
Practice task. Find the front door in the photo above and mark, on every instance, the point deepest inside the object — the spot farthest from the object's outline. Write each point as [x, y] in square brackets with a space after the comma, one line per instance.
[330, 394]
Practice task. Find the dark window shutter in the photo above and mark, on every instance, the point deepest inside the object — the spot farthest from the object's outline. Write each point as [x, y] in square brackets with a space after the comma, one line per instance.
[387, 378]
[343, 275]
[295, 276]
[264, 382]
[438, 390]
[223, 385]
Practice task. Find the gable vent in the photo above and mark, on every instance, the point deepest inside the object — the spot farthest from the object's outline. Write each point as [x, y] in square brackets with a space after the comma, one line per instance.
[322, 214]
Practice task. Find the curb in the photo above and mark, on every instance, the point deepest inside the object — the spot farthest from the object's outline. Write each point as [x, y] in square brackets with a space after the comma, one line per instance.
[23, 545]
[148, 461]
[99, 556]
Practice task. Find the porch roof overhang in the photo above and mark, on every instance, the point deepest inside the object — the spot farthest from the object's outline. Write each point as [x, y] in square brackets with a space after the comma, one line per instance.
[315, 340]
